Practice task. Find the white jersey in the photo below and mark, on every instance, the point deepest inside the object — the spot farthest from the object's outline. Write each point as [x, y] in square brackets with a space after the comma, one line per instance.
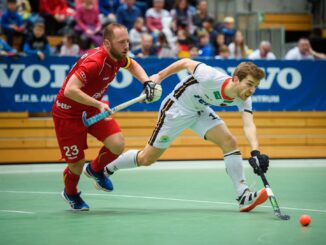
[204, 88]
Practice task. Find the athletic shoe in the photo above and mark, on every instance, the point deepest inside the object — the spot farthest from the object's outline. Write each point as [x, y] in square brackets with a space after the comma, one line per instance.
[75, 201]
[101, 182]
[107, 172]
[249, 200]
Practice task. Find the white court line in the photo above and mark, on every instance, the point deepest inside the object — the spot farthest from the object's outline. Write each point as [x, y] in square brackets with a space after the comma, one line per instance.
[16, 211]
[166, 165]
[161, 198]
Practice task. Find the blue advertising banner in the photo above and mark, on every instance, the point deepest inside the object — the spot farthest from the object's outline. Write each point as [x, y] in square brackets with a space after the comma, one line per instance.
[28, 84]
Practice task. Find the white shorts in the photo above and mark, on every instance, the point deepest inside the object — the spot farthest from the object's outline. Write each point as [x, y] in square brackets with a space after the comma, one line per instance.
[172, 121]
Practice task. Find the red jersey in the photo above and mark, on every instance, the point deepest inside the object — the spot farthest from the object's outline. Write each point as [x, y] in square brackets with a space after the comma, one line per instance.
[96, 70]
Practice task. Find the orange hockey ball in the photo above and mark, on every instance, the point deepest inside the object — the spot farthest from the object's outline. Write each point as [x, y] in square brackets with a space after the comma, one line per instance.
[305, 220]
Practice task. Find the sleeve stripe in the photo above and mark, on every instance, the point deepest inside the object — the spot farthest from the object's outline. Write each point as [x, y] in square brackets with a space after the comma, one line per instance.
[128, 63]
[246, 110]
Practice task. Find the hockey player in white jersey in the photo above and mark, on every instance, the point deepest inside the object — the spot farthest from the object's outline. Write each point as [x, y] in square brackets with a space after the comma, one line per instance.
[187, 106]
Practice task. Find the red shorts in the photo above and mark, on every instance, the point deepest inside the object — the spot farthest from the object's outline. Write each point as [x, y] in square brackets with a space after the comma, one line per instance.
[72, 135]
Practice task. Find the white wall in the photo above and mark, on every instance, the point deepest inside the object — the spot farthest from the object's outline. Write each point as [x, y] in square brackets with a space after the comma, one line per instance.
[221, 8]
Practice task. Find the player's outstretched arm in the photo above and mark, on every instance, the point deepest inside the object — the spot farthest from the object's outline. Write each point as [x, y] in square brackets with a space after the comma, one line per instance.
[249, 128]
[138, 72]
[177, 66]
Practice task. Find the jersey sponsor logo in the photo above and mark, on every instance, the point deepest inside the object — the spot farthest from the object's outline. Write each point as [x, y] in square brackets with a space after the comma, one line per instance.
[217, 95]
[97, 95]
[164, 139]
[63, 105]
[83, 76]
[106, 78]
[200, 100]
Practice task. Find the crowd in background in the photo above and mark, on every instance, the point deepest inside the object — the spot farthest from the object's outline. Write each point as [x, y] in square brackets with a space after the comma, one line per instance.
[159, 28]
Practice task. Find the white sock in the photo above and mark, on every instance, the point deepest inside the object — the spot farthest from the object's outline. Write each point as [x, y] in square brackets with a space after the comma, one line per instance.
[125, 160]
[234, 168]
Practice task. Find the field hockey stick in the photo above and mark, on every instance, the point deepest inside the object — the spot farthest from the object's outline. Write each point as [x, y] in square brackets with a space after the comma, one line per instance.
[100, 116]
[272, 199]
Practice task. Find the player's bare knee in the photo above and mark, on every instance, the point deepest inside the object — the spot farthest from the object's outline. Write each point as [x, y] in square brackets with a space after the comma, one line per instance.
[118, 148]
[229, 144]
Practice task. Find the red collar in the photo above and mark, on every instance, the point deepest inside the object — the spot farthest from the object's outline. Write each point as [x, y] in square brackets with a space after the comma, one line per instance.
[223, 87]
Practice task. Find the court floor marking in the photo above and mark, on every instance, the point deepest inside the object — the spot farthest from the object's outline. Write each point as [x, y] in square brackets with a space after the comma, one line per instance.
[160, 198]
[16, 211]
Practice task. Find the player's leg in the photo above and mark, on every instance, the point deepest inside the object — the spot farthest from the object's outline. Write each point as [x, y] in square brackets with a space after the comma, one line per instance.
[72, 142]
[171, 122]
[107, 131]
[212, 128]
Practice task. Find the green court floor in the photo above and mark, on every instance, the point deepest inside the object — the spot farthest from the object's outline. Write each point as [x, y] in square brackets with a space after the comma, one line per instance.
[169, 203]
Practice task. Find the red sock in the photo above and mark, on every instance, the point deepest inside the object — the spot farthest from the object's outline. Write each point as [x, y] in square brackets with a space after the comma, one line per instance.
[71, 181]
[104, 157]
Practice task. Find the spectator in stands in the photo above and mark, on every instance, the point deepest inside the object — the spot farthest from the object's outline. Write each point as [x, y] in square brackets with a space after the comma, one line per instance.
[147, 47]
[128, 13]
[135, 34]
[218, 42]
[69, 47]
[193, 51]
[208, 25]
[303, 51]
[37, 43]
[88, 25]
[238, 48]
[56, 14]
[206, 49]
[164, 50]
[12, 22]
[184, 42]
[182, 16]
[107, 10]
[24, 9]
[228, 29]
[154, 17]
[6, 49]
[224, 53]
[201, 14]
[264, 52]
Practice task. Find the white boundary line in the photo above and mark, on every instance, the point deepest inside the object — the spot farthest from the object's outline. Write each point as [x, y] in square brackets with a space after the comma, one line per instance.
[166, 165]
[16, 211]
[160, 198]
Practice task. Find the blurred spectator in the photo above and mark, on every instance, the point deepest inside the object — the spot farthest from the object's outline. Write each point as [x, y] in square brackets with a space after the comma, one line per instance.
[206, 49]
[56, 14]
[147, 47]
[218, 42]
[3, 6]
[164, 50]
[167, 30]
[303, 51]
[24, 9]
[238, 48]
[182, 16]
[6, 49]
[135, 34]
[264, 52]
[88, 25]
[184, 42]
[107, 10]
[228, 29]
[193, 52]
[208, 26]
[37, 43]
[224, 53]
[128, 13]
[155, 15]
[201, 14]
[34, 6]
[12, 23]
[69, 47]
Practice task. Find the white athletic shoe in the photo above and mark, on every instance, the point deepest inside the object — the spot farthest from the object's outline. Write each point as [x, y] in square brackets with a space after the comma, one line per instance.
[249, 200]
